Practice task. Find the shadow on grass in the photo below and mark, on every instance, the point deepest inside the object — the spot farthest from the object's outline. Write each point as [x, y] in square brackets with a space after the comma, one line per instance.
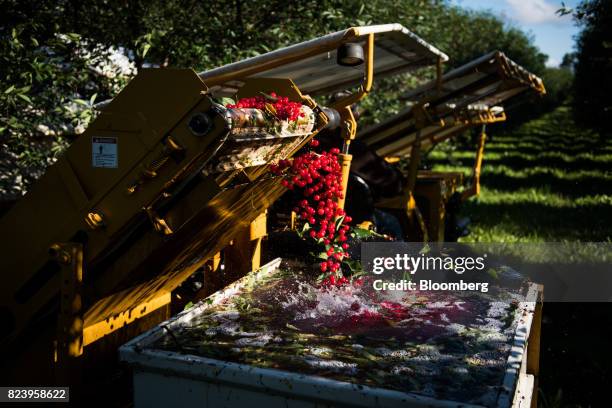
[553, 223]
[578, 187]
[534, 150]
[517, 162]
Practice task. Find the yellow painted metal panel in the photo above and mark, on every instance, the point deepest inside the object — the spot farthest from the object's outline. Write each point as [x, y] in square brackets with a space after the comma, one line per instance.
[94, 331]
[128, 262]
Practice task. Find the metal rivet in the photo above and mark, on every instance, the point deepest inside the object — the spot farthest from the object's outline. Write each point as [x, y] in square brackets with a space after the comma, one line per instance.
[94, 219]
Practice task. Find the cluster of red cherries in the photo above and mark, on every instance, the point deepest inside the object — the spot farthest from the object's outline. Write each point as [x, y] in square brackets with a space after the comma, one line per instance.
[317, 177]
[283, 107]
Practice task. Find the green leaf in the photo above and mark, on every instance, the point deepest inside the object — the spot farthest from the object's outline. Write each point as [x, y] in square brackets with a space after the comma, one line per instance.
[305, 229]
[361, 233]
[292, 327]
[10, 89]
[492, 272]
[25, 98]
[227, 101]
[269, 97]
[73, 36]
[369, 356]
[145, 49]
[322, 255]
[339, 221]
[353, 265]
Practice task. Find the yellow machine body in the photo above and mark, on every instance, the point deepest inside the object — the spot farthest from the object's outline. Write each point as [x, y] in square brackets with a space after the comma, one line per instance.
[146, 213]
[155, 189]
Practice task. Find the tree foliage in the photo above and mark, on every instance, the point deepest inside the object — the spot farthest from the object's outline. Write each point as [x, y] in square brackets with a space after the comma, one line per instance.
[49, 78]
[592, 98]
[59, 57]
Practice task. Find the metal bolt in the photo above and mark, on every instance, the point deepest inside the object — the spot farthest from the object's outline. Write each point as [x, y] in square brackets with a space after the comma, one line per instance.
[94, 219]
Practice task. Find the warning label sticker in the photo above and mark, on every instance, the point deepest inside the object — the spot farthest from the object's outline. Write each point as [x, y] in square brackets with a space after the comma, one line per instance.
[104, 152]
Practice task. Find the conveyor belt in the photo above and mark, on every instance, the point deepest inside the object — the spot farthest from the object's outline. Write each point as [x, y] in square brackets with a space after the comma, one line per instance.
[471, 94]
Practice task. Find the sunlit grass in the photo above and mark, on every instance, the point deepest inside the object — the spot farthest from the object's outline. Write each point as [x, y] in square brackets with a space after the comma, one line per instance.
[546, 181]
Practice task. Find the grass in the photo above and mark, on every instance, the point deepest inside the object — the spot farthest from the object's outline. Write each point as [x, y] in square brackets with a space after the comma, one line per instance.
[547, 181]
[550, 181]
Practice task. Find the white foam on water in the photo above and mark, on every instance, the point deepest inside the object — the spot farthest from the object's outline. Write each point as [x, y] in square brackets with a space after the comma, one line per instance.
[333, 301]
[228, 329]
[402, 370]
[455, 328]
[321, 351]
[258, 341]
[224, 315]
[332, 365]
